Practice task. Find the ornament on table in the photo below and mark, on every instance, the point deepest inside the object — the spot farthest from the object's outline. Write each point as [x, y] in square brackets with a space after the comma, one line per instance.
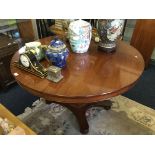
[54, 74]
[57, 53]
[95, 35]
[80, 33]
[109, 30]
[36, 48]
[28, 62]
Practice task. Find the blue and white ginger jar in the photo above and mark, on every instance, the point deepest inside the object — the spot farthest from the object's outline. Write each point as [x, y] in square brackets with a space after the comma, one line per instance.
[57, 53]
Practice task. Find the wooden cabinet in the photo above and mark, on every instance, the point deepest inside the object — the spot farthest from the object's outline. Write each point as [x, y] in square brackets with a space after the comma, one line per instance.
[7, 48]
[143, 38]
[26, 31]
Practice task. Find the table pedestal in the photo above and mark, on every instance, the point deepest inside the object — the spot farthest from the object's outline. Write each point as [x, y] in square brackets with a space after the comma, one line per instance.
[79, 110]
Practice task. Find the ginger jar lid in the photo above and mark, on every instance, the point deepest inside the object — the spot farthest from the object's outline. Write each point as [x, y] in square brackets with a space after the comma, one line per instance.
[57, 45]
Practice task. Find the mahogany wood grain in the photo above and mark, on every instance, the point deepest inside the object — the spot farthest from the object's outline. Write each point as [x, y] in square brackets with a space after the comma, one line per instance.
[92, 76]
[143, 38]
[88, 78]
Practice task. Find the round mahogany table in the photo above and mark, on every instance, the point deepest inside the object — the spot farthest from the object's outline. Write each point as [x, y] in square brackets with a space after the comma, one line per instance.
[90, 79]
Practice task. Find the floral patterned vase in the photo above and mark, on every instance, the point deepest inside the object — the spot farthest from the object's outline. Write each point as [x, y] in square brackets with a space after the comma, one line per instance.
[80, 33]
[57, 53]
[109, 30]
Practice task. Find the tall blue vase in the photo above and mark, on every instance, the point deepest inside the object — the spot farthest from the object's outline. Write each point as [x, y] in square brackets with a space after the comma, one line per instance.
[57, 53]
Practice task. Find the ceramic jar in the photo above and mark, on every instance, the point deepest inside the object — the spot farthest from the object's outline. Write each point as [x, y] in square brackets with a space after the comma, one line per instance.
[80, 33]
[36, 48]
[57, 53]
[109, 30]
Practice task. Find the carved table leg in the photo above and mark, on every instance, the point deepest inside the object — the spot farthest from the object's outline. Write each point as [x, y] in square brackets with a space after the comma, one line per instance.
[79, 112]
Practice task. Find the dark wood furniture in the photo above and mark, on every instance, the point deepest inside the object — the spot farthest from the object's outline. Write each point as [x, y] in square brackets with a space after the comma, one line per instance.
[7, 49]
[90, 79]
[143, 38]
[26, 31]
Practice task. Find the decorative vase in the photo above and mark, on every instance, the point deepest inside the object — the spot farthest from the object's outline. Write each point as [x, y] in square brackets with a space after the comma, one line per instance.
[109, 30]
[80, 33]
[57, 53]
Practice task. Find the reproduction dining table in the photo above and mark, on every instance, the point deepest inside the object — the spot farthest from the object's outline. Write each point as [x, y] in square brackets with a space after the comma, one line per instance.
[89, 79]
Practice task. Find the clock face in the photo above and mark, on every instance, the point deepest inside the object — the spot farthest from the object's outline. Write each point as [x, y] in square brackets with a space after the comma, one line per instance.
[24, 60]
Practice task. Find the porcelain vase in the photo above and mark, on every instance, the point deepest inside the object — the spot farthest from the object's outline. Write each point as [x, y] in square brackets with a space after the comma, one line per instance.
[57, 53]
[109, 30]
[80, 33]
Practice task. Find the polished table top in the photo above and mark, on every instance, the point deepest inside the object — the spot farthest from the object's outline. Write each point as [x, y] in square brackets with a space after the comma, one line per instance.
[88, 77]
